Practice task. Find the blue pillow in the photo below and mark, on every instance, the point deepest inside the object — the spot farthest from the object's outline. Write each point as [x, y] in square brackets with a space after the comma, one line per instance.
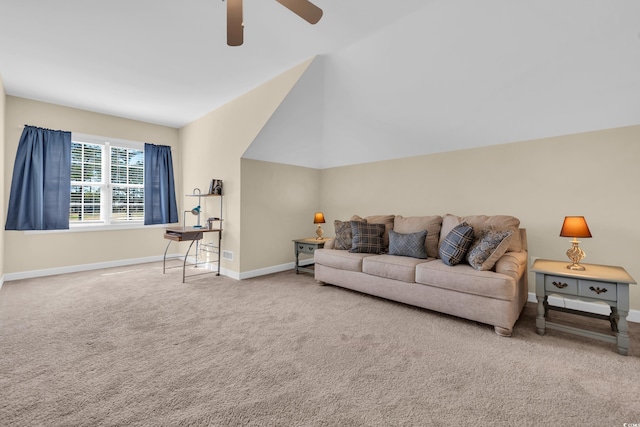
[411, 244]
[455, 246]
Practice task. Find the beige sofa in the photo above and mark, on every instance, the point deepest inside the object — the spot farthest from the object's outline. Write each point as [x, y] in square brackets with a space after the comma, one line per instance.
[495, 296]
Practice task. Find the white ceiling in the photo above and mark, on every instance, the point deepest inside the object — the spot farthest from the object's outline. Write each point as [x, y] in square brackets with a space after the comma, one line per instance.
[166, 61]
[392, 78]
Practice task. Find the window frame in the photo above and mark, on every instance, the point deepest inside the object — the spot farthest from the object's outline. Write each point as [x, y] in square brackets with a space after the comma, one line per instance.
[106, 186]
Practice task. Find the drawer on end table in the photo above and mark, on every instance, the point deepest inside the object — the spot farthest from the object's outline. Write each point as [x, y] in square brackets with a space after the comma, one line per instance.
[562, 285]
[600, 290]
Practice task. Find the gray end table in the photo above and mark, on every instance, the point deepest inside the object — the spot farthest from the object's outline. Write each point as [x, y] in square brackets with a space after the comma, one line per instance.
[307, 246]
[597, 283]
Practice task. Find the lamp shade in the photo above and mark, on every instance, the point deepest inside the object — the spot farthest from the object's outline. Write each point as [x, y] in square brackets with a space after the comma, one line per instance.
[318, 218]
[575, 226]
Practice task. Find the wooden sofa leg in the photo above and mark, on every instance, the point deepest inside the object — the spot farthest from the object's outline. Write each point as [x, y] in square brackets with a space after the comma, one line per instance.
[503, 332]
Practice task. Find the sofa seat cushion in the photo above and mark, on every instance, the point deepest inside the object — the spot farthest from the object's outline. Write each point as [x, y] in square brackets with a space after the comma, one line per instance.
[392, 267]
[464, 278]
[342, 260]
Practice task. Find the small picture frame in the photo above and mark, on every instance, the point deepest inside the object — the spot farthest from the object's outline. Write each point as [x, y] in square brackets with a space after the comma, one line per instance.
[216, 187]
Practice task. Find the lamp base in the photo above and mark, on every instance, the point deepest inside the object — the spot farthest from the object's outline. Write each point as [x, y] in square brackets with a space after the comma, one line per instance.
[319, 232]
[575, 254]
[576, 267]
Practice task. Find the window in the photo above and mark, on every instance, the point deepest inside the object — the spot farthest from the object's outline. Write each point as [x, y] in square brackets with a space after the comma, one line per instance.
[107, 181]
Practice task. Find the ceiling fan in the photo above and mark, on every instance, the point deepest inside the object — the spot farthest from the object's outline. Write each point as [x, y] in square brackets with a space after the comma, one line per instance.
[303, 8]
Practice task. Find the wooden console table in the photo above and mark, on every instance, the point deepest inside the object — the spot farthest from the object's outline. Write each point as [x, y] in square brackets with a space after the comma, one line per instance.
[194, 235]
[597, 283]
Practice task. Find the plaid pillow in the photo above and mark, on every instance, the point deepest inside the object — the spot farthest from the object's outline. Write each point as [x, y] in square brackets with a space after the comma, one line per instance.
[455, 246]
[367, 238]
[411, 244]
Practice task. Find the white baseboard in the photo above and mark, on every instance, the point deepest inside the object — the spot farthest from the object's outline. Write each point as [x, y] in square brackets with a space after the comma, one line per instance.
[258, 272]
[589, 307]
[81, 267]
[213, 266]
[254, 273]
[273, 269]
[96, 266]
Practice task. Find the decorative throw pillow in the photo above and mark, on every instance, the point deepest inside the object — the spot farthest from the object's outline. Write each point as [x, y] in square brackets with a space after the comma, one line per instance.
[367, 238]
[411, 244]
[488, 248]
[413, 224]
[455, 246]
[482, 222]
[387, 220]
[343, 235]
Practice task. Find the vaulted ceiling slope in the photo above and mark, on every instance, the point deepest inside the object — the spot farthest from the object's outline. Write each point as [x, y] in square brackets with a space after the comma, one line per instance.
[459, 74]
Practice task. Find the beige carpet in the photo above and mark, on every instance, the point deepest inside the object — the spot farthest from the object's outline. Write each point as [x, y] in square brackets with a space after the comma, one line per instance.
[131, 347]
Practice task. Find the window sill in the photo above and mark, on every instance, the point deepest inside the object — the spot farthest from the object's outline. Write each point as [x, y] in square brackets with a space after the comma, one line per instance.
[100, 227]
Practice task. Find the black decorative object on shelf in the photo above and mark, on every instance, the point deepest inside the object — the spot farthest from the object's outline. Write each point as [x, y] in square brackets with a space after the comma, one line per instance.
[215, 187]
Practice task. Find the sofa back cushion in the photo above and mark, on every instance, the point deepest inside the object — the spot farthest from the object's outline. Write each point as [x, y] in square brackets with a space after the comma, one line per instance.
[413, 224]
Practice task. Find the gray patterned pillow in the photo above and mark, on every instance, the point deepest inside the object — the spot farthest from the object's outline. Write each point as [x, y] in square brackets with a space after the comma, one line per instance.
[455, 246]
[367, 238]
[488, 248]
[411, 244]
[343, 235]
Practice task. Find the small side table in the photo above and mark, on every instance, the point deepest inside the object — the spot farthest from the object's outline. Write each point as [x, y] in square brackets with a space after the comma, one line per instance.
[597, 283]
[306, 246]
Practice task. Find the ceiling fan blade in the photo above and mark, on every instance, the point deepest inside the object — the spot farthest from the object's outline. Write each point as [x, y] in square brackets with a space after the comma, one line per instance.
[235, 33]
[304, 9]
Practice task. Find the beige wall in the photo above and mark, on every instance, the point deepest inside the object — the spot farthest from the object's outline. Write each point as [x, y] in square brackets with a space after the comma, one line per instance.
[30, 252]
[212, 147]
[594, 174]
[2, 175]
[278, 203]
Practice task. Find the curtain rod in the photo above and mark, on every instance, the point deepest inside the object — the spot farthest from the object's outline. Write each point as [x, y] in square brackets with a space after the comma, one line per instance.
[54, 130]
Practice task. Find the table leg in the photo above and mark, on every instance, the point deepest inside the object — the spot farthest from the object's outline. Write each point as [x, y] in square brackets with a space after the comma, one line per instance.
[184, 263]
[297, 257]
[164, 258]
[541, 313]
[623, 333]
[613, 319]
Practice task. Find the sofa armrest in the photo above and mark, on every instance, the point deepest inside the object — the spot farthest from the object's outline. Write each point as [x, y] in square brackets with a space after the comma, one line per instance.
[329, 244]
[511, 263]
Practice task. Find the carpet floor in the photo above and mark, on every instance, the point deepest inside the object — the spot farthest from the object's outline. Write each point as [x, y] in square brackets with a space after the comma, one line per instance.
[130, 346]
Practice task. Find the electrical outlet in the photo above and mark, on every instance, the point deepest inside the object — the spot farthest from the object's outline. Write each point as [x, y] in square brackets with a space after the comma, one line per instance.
[228, 255]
